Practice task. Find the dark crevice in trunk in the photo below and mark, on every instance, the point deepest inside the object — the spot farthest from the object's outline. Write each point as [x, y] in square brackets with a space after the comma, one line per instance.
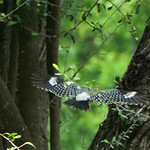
[13, 63]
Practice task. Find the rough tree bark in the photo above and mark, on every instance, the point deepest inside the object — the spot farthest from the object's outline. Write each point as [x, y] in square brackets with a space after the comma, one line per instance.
[19, 102]
[52, 43]
[10, 116]
[28, 96]
[5, 38]
[13, 61]
[136, 78]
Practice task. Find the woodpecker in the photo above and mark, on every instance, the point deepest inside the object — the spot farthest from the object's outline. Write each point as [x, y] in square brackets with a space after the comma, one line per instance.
[80, 96]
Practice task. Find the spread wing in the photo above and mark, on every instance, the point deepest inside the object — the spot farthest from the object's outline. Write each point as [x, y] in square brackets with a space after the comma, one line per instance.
[81, 96]
[55, 85]
[63, 88]
[118, 96]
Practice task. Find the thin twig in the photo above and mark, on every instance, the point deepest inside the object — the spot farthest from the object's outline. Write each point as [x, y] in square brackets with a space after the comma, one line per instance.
[15, 9]
[96, 52]
[136, 113]
[118, 8]
[87, 14]
[67, 56]
[9, 141]
[54, 5]
[112, 14]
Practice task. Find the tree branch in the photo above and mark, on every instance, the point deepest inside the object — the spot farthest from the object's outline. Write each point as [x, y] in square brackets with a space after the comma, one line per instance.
[10, 115]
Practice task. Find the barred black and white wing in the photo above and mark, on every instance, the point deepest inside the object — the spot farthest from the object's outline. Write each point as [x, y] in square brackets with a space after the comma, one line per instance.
[57, 86]
[117, 96]
[81, 96]
[63, 88]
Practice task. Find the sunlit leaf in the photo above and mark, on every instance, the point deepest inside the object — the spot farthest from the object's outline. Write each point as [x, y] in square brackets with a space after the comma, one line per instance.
[34, 33]
[114, 139]
[56, 67]
[17, 137]
[105, 141]
[11, 134]
[58, 74]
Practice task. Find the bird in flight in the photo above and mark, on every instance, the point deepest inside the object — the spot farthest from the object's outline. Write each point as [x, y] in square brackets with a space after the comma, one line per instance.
[81, 96]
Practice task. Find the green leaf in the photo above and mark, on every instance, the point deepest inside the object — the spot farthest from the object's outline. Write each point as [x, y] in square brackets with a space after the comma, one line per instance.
[105, 141]
[109, 8]
[12, 148]
[58, 74]
[19, 20]
[114, 139]
[111, 146]
[11, 134]
[103, 6]
[18, 2]
[121, 144]
[84, 15]
[34, 33]
[56, 67]
[1, 1]
[126, 136]
[137, 8]
[69, 68]
[2, 15]
[10, 23]
[17, 137]
[72, 38]
[93, 23]
[120, 21]
[71, 17]
[98, 8]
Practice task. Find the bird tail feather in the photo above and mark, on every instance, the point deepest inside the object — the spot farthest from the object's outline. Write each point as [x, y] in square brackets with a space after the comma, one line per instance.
[83, 105]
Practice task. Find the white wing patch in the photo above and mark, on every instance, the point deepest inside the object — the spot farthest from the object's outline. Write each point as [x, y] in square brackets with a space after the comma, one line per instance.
[82, 96]
[53, 81]
[130, 94]
[69, 82]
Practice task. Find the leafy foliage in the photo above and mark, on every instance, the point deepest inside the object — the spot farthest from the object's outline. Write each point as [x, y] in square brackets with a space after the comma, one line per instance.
[11, 137]
[102, 44]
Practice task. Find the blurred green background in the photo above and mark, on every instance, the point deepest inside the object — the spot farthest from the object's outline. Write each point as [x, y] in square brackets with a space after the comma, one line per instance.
[78, 128]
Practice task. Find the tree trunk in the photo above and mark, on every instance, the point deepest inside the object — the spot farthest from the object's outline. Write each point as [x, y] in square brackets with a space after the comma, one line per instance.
[10, 115]
[28, 96]
[134, 132]
[24, 118]
[13, 62]
[53, 30]
[5, 38]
